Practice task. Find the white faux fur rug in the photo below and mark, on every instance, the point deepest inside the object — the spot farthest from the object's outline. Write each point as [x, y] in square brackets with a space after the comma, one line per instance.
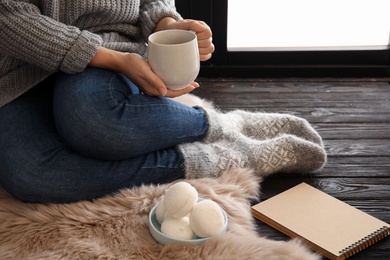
[117, 227]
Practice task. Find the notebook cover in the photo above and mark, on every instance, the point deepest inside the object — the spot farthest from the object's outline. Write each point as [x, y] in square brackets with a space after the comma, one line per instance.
[331, 227]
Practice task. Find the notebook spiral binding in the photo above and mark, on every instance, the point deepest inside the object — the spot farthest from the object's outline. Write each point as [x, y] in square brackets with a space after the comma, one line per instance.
[366, 241]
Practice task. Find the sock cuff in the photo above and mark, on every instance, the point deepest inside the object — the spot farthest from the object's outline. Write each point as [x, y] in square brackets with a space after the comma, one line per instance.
[214, 131]
[199, 160]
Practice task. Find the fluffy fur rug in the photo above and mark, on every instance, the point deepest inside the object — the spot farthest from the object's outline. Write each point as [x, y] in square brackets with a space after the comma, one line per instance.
[116, 227]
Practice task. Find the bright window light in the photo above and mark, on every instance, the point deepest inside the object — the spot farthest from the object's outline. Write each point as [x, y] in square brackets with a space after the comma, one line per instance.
[269, 25]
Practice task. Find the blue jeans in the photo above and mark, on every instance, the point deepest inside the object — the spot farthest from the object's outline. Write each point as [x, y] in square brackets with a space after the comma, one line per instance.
[93, 135]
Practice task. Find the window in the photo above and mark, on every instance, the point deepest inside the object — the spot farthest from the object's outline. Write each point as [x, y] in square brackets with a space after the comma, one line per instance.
[263, 25]
[298, 50]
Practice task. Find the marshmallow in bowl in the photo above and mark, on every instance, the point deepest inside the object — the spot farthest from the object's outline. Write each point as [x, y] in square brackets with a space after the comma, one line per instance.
[179, 199]
[178, 228]
[161, 214]
[206, 218]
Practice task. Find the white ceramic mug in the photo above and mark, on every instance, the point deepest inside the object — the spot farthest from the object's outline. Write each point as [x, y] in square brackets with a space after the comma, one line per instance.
[174, 56]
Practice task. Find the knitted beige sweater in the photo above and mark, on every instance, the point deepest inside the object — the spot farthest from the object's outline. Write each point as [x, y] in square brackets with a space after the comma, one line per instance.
[40, 37]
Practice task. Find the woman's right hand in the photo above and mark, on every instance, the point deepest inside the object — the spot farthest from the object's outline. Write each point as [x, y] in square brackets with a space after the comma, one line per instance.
[137, 70]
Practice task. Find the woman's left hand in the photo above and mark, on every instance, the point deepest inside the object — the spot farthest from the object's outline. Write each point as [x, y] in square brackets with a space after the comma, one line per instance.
[202, 30]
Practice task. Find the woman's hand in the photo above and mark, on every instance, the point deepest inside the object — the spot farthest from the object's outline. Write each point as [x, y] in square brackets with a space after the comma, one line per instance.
[138, 71]
[202, 30]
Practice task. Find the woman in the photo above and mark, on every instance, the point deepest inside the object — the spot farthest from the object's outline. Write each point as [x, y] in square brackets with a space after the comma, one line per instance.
[83, 115]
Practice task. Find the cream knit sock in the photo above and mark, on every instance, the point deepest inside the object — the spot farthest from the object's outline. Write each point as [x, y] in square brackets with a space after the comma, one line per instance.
[259, 125]
[285, 153]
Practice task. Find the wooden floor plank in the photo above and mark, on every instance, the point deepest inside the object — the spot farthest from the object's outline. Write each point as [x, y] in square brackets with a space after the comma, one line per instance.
[354, 131]
[362, 147]
[353, 167]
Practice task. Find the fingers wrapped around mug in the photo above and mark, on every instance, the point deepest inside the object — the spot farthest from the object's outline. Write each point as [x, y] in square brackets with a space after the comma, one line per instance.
[203, 33]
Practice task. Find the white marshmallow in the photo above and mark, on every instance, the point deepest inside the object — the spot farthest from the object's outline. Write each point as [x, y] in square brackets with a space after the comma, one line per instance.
[161, 214]
[179, 199]
[206, 218]
[178, 228]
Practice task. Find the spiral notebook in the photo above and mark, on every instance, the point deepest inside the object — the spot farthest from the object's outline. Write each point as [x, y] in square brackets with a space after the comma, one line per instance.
[329, 226]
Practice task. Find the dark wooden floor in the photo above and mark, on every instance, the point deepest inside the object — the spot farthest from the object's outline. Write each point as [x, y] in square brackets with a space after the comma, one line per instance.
[352, 116]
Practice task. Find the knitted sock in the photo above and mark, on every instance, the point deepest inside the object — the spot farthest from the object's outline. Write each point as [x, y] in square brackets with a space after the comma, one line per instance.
[258, 125]
[286, 153]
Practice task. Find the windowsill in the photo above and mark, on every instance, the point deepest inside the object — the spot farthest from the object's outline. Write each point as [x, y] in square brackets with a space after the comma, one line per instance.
[309, 48]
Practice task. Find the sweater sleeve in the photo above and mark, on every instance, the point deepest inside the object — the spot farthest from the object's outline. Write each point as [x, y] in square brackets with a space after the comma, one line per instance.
[27, 35]
[152, 11]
